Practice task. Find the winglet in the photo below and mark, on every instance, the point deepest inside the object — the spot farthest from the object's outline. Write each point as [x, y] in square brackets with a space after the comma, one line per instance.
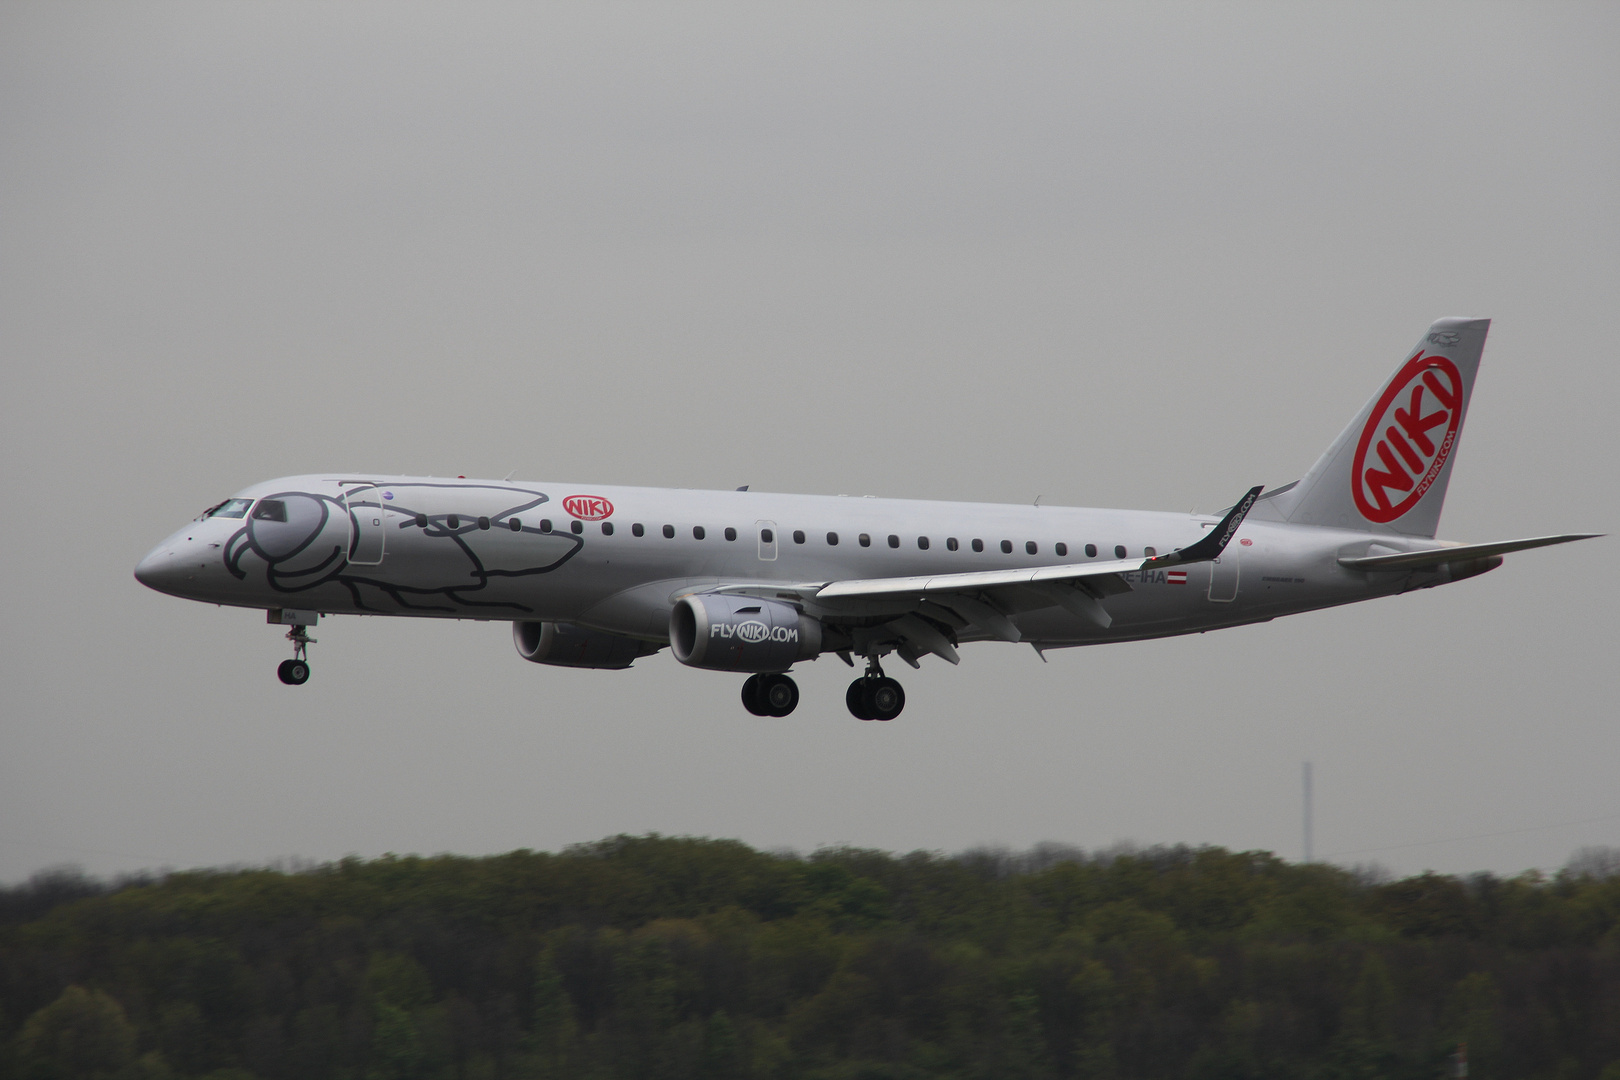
[1211, 546]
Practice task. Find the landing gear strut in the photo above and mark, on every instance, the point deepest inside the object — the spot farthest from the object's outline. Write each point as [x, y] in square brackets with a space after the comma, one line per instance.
[876, 696]
[770, 694]
[295, 672]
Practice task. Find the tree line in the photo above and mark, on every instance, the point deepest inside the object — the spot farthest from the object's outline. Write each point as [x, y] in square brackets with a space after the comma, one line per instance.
[672, 958]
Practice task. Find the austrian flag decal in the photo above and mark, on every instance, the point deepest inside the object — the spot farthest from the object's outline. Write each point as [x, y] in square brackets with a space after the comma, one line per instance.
[588, 507]
[1408, 437]
[1176, 577]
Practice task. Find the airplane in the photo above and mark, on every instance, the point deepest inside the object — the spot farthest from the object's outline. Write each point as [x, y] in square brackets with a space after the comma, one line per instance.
[751, 582]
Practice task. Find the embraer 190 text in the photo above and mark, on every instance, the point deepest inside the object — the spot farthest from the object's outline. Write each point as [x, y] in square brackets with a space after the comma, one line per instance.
[741, 581]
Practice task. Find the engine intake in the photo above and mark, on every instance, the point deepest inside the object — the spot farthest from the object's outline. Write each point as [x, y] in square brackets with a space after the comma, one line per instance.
[741, 633]
[567, 645]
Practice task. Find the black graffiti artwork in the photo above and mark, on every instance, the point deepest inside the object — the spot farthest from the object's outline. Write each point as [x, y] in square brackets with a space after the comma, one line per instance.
[297, 559]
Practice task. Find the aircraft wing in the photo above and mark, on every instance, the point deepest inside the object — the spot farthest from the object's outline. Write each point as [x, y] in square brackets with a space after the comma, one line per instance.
[1106, 573]
[986, 598]
[1098, 579]
[1431, 557]
[982, 598]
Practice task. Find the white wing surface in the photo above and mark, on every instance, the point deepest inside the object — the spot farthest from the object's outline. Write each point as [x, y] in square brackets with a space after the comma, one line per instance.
[918, 607]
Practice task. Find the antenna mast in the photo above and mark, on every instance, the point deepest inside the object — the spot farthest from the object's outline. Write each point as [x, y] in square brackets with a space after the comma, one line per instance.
[1307, 811]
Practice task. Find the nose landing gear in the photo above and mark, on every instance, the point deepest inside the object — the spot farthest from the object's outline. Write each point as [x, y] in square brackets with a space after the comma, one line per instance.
[876, 696]
[770, 694]
[295, 672]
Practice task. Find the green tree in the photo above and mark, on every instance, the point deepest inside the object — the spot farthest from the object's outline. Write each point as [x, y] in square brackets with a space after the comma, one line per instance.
[644, 1008]
[1024, 1056]
[82, 1035]
[397, 979]
[721, 1057]
[397, 1052]
[1094, 990]
[555, 1026]
[1473, 1015]
[1369, 1011]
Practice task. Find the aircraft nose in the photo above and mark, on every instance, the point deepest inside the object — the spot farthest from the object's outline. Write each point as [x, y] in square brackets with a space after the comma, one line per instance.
[162, 569]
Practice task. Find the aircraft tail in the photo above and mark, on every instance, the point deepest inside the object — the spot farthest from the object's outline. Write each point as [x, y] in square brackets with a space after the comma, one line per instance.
[1387, 472]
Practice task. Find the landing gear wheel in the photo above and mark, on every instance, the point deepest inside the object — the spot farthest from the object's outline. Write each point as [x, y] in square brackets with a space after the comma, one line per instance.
[752, 697]
[295, 672]
[855, 700]
[883, 698]
[779, 694]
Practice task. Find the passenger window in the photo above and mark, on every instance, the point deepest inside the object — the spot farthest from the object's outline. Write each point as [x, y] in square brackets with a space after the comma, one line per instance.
[1150, 552]
[767, 536]
[832, 539]
[798, 536]
[865, 540]
[1062, 549]
[607, 528]
[483, 523]
[545, 524]
[516, 524]
[951, 544]
[978, 545]
[421, 521]
[1006, 547]
[669, 532]
[1091, 551]
[637, 529]
[270, 510]
[1119, 551]
[1029, 546]
[699, 532]
[731, 534]
[577, 525]
[231, 508]
[453, 520]
[922, 543]
[894, 541]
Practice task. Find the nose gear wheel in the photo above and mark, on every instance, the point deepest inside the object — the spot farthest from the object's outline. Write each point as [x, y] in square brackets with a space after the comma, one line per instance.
[295, 672]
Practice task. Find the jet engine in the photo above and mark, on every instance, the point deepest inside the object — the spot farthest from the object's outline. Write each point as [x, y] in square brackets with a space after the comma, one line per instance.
[741, 633]
[567, 645]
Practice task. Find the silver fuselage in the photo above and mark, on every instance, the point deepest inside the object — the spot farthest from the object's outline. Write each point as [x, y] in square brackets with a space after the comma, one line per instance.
[435, 548]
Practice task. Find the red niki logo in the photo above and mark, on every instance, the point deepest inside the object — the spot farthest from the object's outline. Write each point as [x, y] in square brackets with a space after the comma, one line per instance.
[588, 507]
[1409, 443]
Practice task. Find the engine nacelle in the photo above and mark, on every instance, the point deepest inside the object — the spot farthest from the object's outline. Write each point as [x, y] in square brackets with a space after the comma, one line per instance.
[567, 645]
[741, 633]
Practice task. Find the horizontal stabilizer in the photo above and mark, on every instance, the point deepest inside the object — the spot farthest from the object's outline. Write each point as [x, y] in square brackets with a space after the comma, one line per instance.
[1421, 560]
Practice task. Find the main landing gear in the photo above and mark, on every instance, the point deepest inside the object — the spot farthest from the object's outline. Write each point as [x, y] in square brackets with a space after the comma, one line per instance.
[876, 696]
[295, 672]
[770, 694]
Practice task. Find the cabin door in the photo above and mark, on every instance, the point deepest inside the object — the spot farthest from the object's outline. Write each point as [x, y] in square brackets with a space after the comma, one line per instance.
[365, 525]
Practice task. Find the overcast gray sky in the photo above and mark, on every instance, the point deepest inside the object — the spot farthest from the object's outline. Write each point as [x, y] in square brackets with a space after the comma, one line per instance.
[1127, 255]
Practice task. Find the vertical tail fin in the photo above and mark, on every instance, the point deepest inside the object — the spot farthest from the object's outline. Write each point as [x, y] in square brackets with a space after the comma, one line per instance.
[1387, 472]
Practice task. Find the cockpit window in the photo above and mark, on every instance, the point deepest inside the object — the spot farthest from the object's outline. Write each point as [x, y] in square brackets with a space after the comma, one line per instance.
[270, 510]
[232, 508]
